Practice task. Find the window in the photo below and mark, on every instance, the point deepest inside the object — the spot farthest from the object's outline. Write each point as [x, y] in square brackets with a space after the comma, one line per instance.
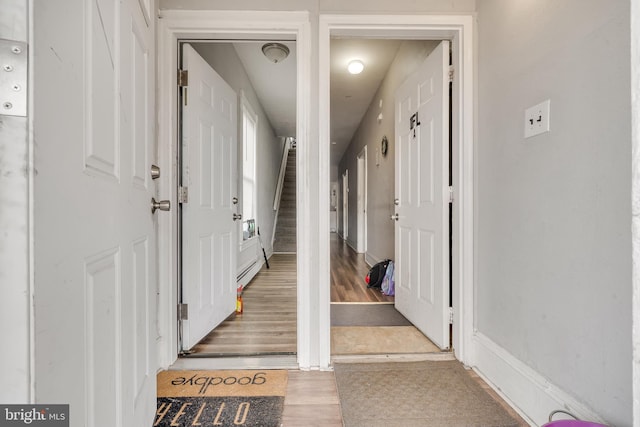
[249, 185]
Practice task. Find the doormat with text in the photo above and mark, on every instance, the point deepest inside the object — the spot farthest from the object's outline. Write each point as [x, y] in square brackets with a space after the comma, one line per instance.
[221, 398]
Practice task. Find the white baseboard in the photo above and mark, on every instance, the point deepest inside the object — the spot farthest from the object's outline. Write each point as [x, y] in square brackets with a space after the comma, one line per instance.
[371, 259]
[528, 392]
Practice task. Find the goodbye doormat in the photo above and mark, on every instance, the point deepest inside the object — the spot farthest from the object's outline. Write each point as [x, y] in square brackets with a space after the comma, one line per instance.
[221, 398]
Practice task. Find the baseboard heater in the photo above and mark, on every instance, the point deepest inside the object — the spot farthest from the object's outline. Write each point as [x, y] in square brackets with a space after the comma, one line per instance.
[246, 270]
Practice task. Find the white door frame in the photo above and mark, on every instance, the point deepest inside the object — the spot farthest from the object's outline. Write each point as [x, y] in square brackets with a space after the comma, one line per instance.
[362, 200]
[459, 29]
[345, 204]
[203, 25]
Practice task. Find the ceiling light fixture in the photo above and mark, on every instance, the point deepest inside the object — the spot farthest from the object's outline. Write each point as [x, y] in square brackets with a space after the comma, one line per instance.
[355, 67]
[275, 52]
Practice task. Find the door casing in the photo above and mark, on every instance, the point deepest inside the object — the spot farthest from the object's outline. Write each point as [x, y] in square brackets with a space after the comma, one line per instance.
[459, 30]
[225, 25]
[314, 301]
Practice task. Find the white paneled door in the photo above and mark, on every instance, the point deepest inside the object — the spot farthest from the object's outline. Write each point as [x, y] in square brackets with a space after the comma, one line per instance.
[95, 235]
[209, 218]
[422, 197]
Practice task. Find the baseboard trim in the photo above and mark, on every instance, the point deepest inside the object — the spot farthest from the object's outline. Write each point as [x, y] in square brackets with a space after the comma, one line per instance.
[528, 392]
[371, 259]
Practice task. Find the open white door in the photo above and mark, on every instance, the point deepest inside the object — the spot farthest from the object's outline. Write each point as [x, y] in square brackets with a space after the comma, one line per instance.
[345, 204]
[362, 200]
[95, 241]
[209, 231]
[422, 181]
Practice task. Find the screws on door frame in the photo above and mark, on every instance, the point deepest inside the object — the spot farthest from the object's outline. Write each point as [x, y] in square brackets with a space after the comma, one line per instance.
[16, 50]
[7, 105]
[8, 68]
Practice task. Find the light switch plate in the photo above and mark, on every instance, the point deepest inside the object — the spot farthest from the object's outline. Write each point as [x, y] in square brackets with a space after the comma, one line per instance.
[536, 119]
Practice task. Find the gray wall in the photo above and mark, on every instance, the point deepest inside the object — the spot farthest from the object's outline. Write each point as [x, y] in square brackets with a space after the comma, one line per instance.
[381, 178]
[328, 6]
[224, 59]
[553, 218]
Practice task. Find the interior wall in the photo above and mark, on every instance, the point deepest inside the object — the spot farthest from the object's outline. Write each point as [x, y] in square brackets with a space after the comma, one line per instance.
[381, 169]
[328, 6]
[223, 58]
[553, 214]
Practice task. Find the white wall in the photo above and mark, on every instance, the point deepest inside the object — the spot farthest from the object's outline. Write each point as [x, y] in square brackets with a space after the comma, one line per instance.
[553, 213]
[381, 177]
[224, 59]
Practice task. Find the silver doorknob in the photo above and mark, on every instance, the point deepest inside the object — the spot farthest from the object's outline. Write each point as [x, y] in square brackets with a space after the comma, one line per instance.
[394, 217]
[237, 216]
[163, 205]
[396, 202]
[234, 200]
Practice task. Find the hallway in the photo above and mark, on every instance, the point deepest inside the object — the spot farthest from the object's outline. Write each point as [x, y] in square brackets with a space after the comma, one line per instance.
[348, 270]
[267, 325]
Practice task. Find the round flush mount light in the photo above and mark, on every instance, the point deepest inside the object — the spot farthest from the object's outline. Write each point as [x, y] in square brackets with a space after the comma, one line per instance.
[355, 67]
[275, 52]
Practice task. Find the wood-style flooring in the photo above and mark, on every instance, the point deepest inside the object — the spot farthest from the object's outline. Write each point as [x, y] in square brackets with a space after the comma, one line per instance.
[268, 322]
[348, 270]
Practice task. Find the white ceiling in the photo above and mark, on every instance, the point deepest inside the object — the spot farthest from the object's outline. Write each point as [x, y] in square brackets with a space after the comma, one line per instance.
[275, 85]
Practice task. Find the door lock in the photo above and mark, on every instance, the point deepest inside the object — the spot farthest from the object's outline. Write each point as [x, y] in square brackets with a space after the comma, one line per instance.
[237, 217]
[395, 217]
[155, 172]
[234, 200]
[163, 205]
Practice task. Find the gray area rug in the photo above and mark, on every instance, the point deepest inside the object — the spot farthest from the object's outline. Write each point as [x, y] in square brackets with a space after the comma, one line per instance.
[366, 315]
[413, 394]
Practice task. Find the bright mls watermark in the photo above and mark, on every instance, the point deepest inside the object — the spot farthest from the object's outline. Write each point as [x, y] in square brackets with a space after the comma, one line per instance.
[34, 415]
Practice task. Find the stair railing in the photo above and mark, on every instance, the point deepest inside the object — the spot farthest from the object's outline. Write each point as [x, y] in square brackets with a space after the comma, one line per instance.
[283, 169]
[288, 144]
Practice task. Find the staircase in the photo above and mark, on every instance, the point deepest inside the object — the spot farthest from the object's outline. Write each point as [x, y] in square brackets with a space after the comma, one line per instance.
[285, 236]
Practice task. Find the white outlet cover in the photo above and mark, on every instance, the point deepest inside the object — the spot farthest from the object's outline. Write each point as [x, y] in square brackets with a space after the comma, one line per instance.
[536, 119]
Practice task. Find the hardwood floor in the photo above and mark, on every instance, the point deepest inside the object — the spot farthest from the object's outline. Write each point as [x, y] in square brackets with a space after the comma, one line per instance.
[268, 323]
[348, 270]
[311, 400]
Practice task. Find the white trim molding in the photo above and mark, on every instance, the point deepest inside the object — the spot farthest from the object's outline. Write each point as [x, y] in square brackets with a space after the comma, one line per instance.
[459, 29]
[177, 25]
[635, 150]
[529, 393]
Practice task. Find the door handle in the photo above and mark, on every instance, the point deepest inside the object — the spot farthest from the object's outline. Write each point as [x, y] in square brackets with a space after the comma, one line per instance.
[396, 202]
[234, 200]
[237, 216]
[163, 205]
[394, 217]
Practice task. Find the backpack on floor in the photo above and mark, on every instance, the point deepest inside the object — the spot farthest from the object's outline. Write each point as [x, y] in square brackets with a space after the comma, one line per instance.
[388, 286]
[376, 274]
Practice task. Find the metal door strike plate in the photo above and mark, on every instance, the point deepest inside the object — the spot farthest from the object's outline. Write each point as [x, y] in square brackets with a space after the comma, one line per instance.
[13, 78]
